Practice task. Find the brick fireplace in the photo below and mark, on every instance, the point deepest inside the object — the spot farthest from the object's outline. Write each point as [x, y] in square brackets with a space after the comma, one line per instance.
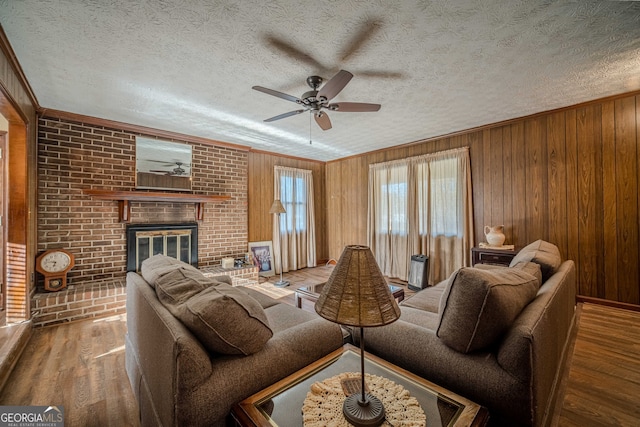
[74, 157]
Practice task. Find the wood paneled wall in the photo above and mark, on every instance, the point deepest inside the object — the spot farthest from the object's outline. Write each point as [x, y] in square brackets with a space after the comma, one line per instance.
[569, 176]
[261, 197]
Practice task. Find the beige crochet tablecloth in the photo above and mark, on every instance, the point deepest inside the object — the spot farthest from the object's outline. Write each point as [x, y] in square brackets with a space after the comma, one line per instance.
[323, 404]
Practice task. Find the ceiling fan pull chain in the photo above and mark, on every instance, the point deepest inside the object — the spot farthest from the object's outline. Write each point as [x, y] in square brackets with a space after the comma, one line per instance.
[310, 113]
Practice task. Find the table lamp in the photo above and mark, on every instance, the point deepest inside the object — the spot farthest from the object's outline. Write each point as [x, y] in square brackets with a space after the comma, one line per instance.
[278, 209]
[357, 294]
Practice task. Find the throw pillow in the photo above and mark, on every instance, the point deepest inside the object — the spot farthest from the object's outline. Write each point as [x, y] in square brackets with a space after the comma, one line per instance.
[177, 286]
[545, 254]
[478, 306]
[224, 319]
[156, 266]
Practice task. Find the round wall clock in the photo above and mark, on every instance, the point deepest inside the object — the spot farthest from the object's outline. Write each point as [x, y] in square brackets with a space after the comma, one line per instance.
[54, 265]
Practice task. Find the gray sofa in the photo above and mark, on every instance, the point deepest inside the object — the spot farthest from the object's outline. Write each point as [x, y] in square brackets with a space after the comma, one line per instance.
[182, 380]
[509, 360]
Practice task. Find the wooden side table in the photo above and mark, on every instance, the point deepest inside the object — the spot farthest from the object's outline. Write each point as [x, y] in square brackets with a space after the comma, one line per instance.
[492, 256]
[280, 404]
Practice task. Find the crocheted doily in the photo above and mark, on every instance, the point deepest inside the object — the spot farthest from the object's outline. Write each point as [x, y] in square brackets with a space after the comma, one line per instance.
[323, 405]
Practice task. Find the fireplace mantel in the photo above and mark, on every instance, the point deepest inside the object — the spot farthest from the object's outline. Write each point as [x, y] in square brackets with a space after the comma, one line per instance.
[125, 197]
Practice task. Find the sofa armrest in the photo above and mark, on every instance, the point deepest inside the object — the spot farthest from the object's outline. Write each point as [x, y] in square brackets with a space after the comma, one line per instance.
[535, 347]
[167, 353]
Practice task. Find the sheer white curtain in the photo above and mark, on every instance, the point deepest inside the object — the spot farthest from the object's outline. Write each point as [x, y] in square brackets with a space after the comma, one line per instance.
[388, 216]
[444, 212]
[296, 228]
[435, 217]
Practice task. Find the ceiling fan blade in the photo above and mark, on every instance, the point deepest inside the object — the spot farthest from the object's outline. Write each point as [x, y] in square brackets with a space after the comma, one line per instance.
[295, 53]
[167, 163]
[284, 115]
[367, 30]
[335, 85]
[277, 93]
[322, 119]
[353, 107]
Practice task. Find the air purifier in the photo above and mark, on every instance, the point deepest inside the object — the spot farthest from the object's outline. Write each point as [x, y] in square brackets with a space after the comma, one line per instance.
[419, 272]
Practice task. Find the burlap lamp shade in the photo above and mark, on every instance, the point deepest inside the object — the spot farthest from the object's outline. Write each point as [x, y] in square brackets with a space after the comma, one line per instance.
[356, 293]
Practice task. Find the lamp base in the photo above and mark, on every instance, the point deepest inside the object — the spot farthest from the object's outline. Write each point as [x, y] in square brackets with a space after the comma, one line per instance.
[281, 283]
[360, 414]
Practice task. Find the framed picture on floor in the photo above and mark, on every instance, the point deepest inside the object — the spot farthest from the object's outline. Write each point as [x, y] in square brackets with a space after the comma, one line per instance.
[262, 254]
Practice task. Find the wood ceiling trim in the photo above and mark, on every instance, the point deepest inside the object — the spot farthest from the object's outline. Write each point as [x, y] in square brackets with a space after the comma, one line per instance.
[270, 153]
[137, 129]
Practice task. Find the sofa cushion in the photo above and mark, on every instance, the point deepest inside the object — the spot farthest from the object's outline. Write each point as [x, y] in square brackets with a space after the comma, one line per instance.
[530, 267]
[545, 254]
[156, 266]
[225, 319]
[478, 306]
[427, 299]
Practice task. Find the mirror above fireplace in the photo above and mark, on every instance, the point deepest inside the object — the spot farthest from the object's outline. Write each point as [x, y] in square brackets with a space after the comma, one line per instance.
[162, 165]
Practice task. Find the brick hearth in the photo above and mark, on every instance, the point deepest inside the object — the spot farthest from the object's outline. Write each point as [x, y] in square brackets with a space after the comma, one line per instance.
[244, 276]
[107, 297]
[95, 299]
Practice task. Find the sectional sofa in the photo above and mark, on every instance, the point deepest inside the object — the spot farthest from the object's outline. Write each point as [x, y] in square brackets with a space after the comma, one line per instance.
[495, 335]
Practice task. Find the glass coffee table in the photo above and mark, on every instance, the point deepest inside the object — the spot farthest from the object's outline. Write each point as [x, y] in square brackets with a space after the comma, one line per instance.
[281, 403]
[312, 293]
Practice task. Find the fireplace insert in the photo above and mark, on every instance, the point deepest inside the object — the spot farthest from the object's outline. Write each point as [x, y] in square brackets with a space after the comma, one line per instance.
[179, 241]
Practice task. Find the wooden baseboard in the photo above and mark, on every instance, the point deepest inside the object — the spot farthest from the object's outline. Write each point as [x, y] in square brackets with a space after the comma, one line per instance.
[608, 303]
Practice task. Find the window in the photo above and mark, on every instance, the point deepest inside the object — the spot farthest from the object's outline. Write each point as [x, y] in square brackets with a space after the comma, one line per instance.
[293, 195]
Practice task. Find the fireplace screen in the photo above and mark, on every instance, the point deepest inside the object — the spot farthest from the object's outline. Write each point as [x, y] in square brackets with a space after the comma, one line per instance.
[178, 241]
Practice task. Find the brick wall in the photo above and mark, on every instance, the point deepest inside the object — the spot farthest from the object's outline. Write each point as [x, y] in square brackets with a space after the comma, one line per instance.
[75, 156]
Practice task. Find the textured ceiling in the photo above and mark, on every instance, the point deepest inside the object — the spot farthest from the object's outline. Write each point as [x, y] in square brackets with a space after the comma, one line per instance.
[435, 66]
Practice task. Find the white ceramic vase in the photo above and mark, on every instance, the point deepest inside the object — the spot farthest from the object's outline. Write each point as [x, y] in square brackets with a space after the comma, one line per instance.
[494, 235]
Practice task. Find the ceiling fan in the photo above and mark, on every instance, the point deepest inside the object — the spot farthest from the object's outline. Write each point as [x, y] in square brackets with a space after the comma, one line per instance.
[316, 101]
[177, 171]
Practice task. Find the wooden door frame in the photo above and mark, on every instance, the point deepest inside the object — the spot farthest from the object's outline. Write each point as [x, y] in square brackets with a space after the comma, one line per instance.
[17, 253]
[3, 228]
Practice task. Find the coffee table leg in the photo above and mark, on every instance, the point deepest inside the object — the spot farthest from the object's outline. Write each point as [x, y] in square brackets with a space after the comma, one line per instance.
[298, 301]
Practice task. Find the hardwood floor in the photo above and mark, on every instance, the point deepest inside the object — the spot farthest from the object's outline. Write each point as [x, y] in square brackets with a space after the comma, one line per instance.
[81, 367]
[603, 383]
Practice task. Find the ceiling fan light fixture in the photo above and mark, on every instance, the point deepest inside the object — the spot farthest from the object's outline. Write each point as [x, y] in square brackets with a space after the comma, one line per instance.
[316, 100]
